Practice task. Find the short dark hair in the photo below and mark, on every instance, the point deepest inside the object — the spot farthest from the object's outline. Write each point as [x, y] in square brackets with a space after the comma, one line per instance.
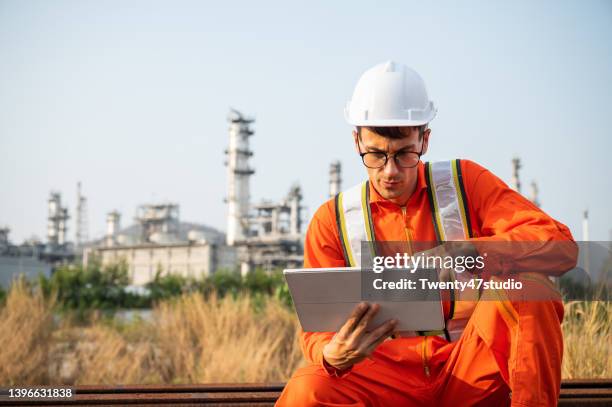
[392, 132]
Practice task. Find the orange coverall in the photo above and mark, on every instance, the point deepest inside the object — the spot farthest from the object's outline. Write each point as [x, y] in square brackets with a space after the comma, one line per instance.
[510, 351]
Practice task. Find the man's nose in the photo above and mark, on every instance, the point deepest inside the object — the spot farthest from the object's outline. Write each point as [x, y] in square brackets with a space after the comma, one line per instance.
[391, 166]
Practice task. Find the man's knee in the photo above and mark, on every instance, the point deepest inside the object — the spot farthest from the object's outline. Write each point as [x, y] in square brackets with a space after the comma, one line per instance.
[309, 388]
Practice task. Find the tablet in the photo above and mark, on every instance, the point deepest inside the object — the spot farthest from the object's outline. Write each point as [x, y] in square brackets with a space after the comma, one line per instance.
[324, 299]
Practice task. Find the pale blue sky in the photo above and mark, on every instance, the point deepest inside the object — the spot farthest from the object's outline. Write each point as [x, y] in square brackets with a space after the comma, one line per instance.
[130, 97]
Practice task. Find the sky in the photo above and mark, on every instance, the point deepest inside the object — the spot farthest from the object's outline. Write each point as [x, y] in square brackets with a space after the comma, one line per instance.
[131, 98]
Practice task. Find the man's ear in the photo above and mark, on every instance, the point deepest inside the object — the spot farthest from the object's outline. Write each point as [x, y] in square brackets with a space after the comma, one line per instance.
[426, 135]
[356, 140]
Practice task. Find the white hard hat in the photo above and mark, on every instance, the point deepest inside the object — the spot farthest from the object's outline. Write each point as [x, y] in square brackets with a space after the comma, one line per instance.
[390, 94]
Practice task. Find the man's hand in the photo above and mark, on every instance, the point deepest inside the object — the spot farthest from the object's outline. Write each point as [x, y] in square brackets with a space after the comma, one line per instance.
[353, 343]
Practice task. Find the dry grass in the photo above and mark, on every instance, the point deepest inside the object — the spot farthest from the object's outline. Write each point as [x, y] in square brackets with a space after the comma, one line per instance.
[587, 331]
[188, 340]
[197, 340]
[25, 330]
[104, 356]
[223, 340]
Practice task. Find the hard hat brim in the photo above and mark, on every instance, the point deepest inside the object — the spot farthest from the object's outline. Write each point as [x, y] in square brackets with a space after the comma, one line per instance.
[388, 122]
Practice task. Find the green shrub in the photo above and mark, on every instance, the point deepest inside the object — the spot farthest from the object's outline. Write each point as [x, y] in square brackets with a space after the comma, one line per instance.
[224, 282]
[106, 288]
[92, 287]
[169, 285]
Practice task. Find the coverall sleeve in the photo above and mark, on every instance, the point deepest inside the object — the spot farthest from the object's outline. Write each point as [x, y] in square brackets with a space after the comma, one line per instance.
[539, 242]
[321, 249]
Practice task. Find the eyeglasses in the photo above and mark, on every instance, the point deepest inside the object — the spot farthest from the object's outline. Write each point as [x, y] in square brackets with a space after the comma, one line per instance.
[403, 159]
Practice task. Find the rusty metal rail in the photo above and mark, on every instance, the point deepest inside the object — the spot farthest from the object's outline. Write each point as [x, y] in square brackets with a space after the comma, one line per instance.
[594, 392]
[573, 393]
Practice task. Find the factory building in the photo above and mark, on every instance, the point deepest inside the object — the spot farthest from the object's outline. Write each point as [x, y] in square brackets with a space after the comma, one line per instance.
[27, 259]
[160, 242]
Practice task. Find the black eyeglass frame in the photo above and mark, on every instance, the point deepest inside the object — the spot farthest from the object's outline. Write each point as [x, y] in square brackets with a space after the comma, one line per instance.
[419, 154]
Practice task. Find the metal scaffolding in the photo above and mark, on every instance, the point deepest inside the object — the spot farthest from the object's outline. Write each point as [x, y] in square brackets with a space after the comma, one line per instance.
[158, 221]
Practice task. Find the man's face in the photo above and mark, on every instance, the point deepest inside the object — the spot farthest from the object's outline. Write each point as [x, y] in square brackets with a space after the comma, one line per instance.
[392, 181]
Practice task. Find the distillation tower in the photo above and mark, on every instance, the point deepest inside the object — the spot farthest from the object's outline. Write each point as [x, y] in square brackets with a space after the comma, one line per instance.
[335, 178]
[238, 176]
[267, 235]
[57, 221]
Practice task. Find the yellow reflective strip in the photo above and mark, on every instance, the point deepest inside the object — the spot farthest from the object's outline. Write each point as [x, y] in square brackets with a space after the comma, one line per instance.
[460, 199]
[537, 278]
[366, 218]
[345, 241]
[506, 309]
[436, 209]
[364, 209]
[432, 333]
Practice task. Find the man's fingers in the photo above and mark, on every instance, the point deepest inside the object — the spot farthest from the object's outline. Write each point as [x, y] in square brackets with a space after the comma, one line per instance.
[350, 324]
[374, 345]
[377, 336]
[382, 331]
[365, 320]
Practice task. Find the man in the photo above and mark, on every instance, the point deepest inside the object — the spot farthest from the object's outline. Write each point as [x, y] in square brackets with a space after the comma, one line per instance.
[501, 352]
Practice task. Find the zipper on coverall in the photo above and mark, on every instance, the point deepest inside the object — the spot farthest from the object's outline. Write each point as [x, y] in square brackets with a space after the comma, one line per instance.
[425, 339]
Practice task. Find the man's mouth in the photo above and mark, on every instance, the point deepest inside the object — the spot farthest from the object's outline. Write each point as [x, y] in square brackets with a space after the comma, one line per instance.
[390, 183]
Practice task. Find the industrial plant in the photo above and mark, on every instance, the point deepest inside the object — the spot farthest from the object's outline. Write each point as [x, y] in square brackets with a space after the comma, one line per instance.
[266, 235]
[34, 257]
